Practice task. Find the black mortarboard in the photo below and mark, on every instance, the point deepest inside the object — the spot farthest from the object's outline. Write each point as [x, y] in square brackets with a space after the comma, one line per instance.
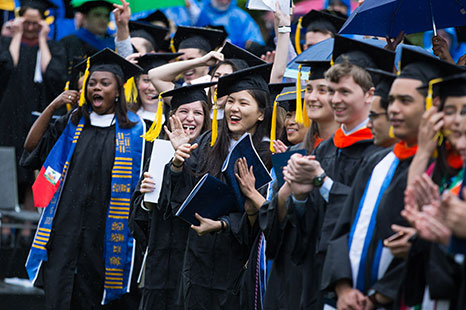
[247, 79]
[154, 34]
[318, 68]
[86, 5]
[152, 60]
[276, 88]
[322, 20]
[384, 83]
[362, 54]
[287, 98]
[41, 5]
[231, 51]
[156, 17]
[198, 37]
[424, 67]
[187, 94]
[108, 60]
[450, 86]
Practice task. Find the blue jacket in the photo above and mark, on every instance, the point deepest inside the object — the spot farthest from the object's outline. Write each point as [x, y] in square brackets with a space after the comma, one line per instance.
[240, 26]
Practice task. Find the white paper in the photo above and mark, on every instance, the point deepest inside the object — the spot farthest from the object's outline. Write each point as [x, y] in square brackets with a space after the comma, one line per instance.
[269, 5]
[162, 152]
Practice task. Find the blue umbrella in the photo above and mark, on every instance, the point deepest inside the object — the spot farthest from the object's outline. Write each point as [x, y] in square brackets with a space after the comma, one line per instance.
[390, 17]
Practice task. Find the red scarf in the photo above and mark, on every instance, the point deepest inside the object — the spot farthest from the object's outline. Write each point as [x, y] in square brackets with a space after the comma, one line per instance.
[317, 141]
[341, 140]
[402, 151]
[453, 158]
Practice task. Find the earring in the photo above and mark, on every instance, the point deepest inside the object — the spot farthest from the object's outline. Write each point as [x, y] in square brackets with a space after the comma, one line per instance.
[117, 99]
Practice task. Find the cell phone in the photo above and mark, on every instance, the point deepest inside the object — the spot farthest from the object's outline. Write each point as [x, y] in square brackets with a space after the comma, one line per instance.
[395, 236]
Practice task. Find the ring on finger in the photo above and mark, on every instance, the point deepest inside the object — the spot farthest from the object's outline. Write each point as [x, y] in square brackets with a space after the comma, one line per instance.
[69, 97]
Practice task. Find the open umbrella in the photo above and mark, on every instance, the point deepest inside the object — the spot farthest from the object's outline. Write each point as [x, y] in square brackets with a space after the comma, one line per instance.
[390, 17]
[323, 51]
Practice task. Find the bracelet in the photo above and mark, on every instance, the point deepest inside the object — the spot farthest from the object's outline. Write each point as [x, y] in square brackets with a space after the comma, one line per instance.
[284, 29]
[176, 166]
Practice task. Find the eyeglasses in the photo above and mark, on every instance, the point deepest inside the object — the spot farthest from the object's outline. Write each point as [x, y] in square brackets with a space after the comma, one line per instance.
[373, 116]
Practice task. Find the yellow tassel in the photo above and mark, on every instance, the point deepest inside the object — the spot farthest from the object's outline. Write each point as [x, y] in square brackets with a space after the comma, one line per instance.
[172, 45]
[297, 37]
[306, 119]
[399, 68]
[391, 133]
[331, 61]
[430, 92]
[273, 128]
[156, 127]
[67, 87]
[82, 97]
[299, 103]
[214, 121]
[131, 92]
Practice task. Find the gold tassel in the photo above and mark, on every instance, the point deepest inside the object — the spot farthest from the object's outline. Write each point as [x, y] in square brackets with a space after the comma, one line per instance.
[214, 121]
[391, 133]
[331, 61]
[297, 37]
[273, 128]
[306, 119]
[67, 87]
[156, 127]
[82, 97]
[172, 45]
[299, 103]
[399, 69]
[131, 92]
[430, 92]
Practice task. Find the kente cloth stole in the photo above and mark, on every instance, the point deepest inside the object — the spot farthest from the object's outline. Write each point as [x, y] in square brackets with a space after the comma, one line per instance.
[119, 245]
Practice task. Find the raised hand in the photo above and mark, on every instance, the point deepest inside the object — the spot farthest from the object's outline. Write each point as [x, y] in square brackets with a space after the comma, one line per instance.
[431, 123]
[66, 97]
[122, 13]
[279, 146]
[245, 177]
[211, 58]
[182, 153]
[44, 29]
[178, 136]
[17, 26]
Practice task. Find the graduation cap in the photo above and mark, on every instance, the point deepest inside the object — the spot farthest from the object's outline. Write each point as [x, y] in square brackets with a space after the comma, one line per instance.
[287, 98]
[424, 67]
[157, 16]
[154, 34]
[256, 77]
[108, 61]
[318, 68]
[153, 60]
[84, 6]
[187, 94]
[382, 88]
[323, 20]
[362, 54]
[41, 5]
[276, 88]
[198, 37]
[231, 51]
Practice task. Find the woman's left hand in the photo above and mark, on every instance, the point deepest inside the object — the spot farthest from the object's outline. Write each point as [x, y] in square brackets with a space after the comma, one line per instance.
[245, 177]
[206, 225]
[177, 135]
[279, 146]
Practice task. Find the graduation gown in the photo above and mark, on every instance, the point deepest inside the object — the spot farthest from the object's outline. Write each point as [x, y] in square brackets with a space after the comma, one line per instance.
[20, 95]
[386, 279]
[311, 231]
[73, 276]
[165, 236]
[213, 264]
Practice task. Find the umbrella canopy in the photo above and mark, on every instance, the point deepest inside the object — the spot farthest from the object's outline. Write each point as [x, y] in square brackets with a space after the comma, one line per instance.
[390, 17]
[323, 51]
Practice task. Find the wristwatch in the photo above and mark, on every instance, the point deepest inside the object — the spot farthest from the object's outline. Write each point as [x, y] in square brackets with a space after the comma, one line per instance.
[319, 180]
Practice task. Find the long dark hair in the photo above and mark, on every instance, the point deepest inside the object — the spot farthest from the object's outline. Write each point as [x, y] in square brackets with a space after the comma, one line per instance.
[217, 154]
[121, 109]
[310, 138]
[442, 171]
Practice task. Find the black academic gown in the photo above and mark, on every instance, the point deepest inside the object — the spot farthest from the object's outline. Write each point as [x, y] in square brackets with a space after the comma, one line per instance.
[213, 268]
[311, 231]
[73, 276]
[20, 95]
[284, 286]
[337, 264]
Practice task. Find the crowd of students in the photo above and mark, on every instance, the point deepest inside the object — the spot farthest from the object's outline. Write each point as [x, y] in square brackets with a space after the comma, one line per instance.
[367, 213]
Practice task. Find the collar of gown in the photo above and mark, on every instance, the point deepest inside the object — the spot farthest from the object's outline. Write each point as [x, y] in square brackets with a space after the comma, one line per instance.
[105, 120]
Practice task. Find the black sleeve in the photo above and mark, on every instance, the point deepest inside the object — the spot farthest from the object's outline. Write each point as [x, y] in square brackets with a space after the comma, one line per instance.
[6, 62]
[55, 74]
[37, 157]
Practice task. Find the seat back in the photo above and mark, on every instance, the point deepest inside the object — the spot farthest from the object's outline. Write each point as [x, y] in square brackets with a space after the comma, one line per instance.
[8, 182]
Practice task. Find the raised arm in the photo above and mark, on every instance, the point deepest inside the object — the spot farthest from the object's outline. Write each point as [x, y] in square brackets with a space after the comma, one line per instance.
[282, 25]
